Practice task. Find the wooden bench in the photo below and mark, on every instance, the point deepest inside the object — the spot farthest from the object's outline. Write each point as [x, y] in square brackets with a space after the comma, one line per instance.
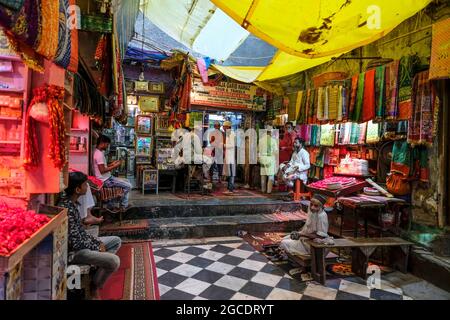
[305, 261]
[362, 249]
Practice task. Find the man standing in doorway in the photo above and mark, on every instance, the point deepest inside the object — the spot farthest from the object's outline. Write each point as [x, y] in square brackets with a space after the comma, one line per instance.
[103, 171]
[229, 167]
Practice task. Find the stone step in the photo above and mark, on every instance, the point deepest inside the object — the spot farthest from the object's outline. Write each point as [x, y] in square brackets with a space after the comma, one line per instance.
[217, 226]
[188, 210]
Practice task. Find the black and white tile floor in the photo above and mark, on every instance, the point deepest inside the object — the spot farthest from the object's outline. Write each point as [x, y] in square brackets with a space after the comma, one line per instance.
[235, 271]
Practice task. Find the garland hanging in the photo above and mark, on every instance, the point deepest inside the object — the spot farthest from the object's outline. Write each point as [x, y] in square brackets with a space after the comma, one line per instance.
[52, 96]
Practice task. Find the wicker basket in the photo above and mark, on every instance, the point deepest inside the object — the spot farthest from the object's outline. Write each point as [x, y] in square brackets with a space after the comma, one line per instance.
[321, 79]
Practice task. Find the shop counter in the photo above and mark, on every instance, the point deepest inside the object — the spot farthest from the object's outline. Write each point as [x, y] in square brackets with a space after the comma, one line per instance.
[36, 270]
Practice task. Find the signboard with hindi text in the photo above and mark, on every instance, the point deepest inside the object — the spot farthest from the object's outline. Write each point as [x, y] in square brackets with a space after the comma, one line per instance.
[229, 95]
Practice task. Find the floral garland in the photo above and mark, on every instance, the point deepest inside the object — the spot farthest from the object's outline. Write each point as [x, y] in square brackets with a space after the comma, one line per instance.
[52, 96]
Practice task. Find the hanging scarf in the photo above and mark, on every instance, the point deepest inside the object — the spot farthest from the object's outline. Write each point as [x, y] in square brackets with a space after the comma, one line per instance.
[380, 96]
[345, 97]
[359, 99]
[391, 77]
[420, 130]
[302, 113]
[341, 96]
[362, 133]
[47, 41]
[401, 158]
[12, 4]
[354, 133]
[298, 103]
[353, 95]
[320, 103]
[407, 70]
[312, 106]
[369, 96]
[333, 102]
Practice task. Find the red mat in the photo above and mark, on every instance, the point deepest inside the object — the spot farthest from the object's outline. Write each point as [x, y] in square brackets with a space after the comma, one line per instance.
[136, 278]
[221, 194]
[125, 228]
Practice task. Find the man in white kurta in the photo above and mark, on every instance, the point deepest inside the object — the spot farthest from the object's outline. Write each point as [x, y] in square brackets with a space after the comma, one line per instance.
[316, 226]
[268, 159]
[299, 165]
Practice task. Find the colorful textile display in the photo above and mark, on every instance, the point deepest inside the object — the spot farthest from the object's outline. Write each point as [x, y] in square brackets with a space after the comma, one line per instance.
[12, 4]
[402, 158]
[421, 122]
[315, 135]
[321, 103]
[354, 133]
[48, 38]
[356, 116]
[440, 59]
[369, 96]
[345, 94]
[362, 133]
[391, 77]
[52, 96]
[407, 70]
[380, 96]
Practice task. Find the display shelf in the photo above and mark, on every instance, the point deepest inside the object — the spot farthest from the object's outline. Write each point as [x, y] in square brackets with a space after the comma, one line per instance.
[10, 142]
[11, 90]
[10, 118]
[78, 151]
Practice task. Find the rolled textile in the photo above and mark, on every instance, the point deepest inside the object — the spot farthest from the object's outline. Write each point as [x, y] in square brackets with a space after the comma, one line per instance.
[380, 96]
[391, 78]
[368, 112]
[359, 99]
[407, 69]
[340, 103]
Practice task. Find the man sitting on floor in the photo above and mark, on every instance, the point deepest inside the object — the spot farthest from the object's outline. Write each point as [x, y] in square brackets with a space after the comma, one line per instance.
[316, 226]
[84, 248]
[103, 171]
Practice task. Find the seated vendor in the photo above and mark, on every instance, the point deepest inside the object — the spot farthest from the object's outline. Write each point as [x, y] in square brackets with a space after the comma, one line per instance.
[298, 166]
[316, 226]
[103, 171]
[85, 204]
[86, 249]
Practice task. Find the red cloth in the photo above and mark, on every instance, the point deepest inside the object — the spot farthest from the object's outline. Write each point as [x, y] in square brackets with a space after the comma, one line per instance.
[369, 96]
[287, 146]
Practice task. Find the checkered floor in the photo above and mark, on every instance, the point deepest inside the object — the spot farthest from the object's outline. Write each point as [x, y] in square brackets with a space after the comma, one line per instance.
[235, 271]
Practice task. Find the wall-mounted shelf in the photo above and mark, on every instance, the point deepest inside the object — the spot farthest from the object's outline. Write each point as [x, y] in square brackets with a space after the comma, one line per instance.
[10, 118]
[10, 90]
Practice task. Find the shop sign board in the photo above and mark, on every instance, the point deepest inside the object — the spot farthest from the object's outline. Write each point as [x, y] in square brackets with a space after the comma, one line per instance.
[229, 95]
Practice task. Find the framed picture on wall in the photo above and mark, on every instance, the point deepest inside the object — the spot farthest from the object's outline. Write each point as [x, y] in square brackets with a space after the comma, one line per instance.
[156, 87]
[149, 103]
[141, 86]
[144, 125]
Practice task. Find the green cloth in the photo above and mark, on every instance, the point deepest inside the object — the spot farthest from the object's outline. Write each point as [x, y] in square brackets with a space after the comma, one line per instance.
[354, 134]
[327, 134]
[380, 96]
[356, 117]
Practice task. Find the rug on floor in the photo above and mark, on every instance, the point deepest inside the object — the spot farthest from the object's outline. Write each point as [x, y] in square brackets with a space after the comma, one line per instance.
[136, 278]
[220, 193]
[125, 228]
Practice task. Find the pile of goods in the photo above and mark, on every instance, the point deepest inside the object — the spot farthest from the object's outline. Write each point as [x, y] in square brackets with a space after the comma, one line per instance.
[353, 166]
[334, 183]
[16, 226]
[371, 191]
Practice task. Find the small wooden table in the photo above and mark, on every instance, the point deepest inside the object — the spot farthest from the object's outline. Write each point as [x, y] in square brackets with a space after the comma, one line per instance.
[362, 249]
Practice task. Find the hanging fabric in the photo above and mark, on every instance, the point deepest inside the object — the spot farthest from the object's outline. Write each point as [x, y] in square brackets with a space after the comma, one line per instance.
[333, 102]
[420, 130]
[354, 133]
[47, 41]
[320, 103]
[340, 103]
[373, 132]
[380, 96]
[359, 99]
[345, 101]
[362, 133]
[369, 96]
[312, 106]
[327, 133]
[391, 77]
[407, 69]
[353, 95]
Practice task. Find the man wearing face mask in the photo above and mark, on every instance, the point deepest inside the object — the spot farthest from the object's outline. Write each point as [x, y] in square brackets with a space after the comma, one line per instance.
[316, 226]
